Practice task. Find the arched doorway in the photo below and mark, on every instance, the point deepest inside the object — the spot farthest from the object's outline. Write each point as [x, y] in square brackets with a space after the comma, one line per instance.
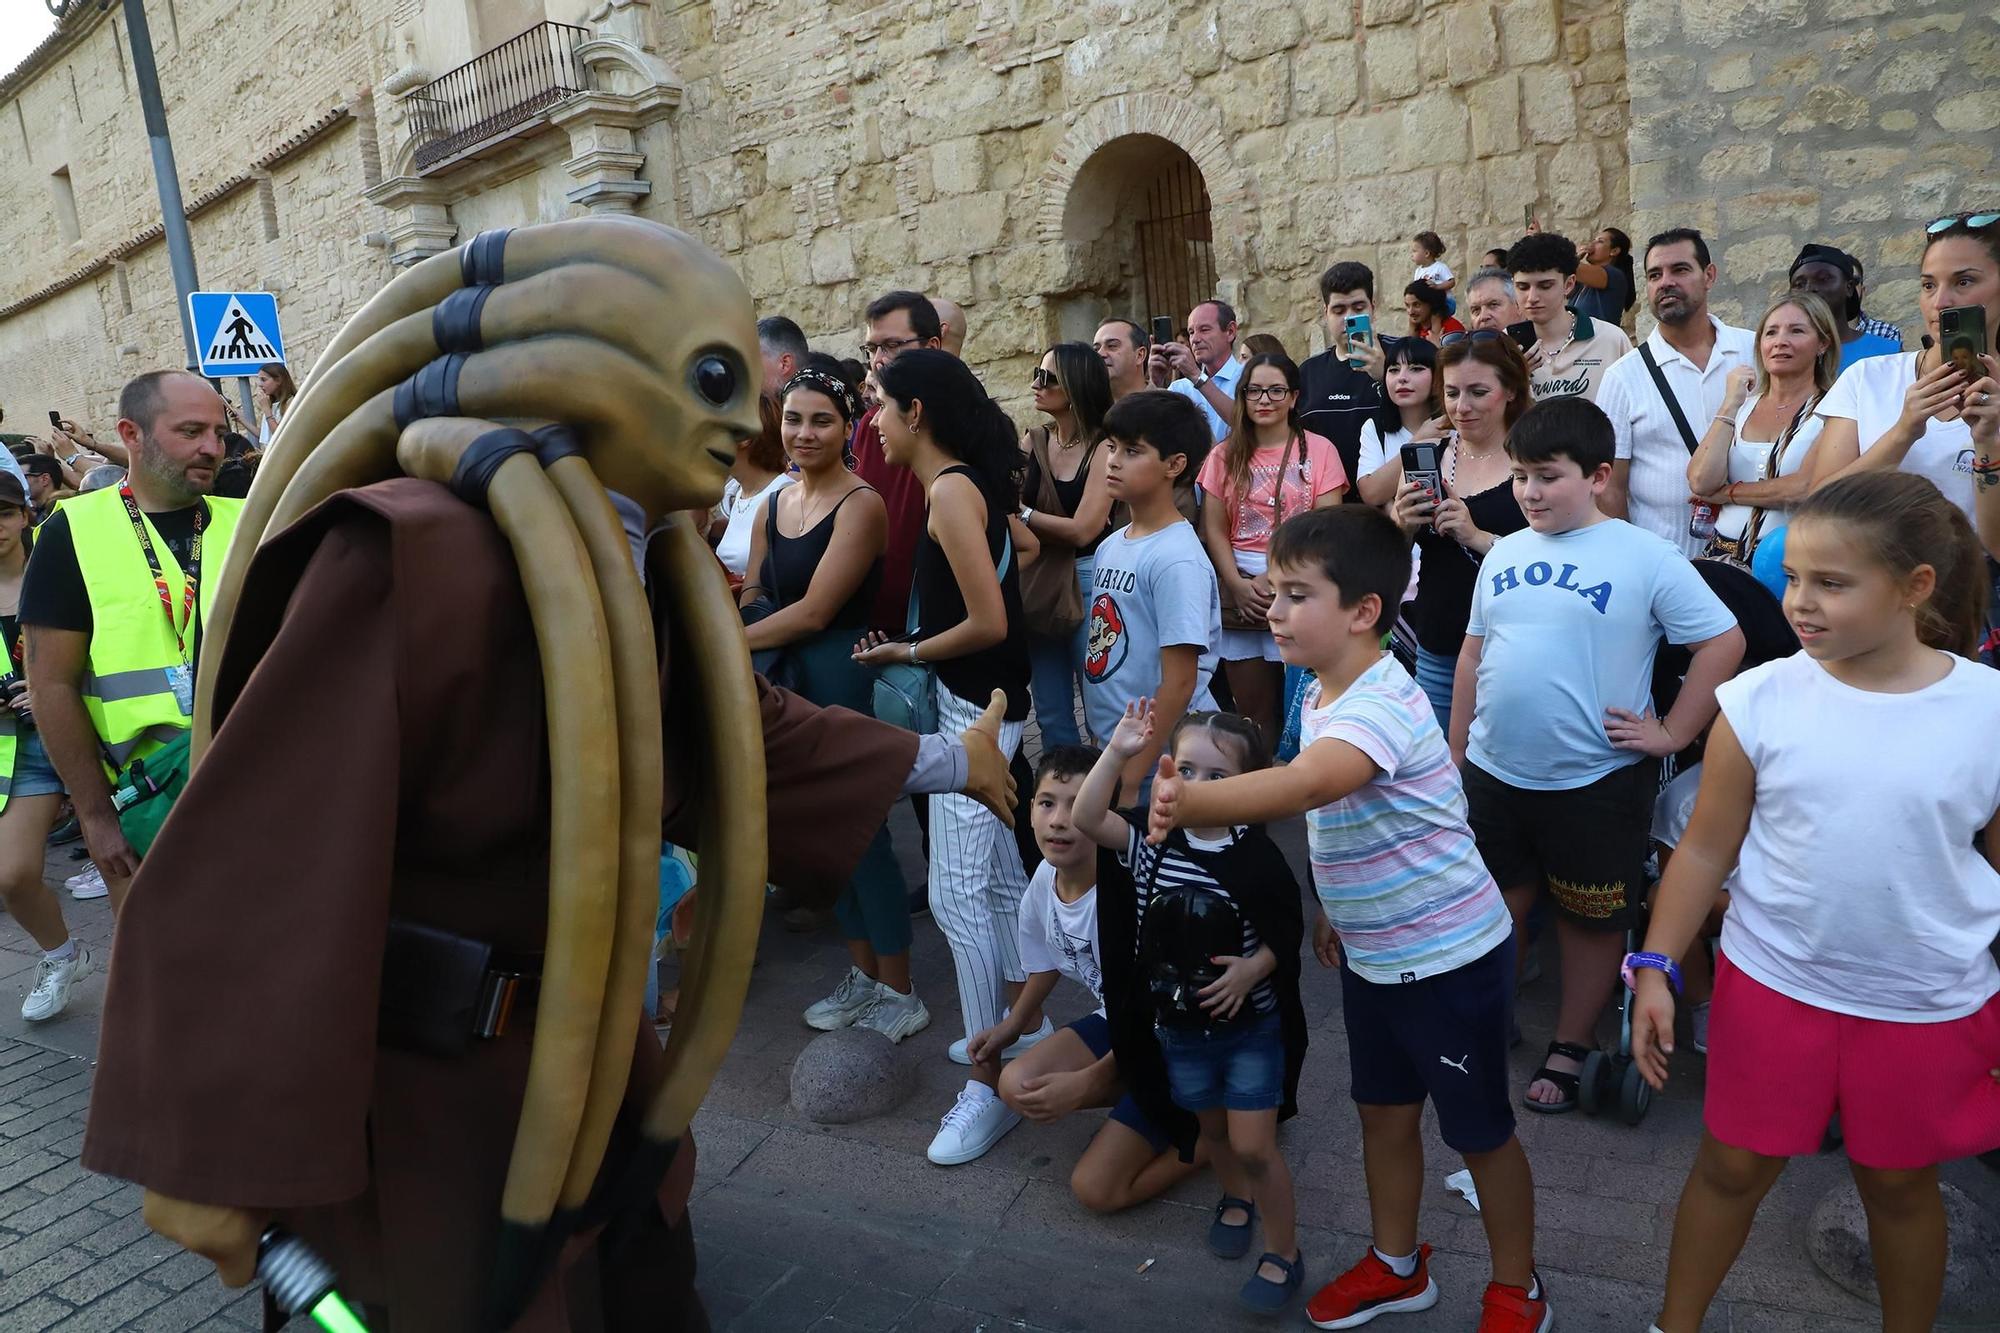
[1138, 226]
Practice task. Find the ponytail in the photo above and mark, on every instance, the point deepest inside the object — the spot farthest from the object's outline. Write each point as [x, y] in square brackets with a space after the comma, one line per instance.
[1902, 520]
[963, 420]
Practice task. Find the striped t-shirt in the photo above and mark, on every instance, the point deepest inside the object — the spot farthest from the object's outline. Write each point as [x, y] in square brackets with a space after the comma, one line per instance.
[1394, 862]
[1177, 868]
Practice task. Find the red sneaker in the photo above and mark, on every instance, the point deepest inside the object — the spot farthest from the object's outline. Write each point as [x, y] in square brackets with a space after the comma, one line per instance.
[1511, 1310]
[1370, 1288]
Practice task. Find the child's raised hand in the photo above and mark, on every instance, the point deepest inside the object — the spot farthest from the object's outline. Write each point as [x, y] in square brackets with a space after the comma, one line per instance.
[1134, 731]
[1652, 1026]
[1225, 995]
[1326, 941]
[1164, 812]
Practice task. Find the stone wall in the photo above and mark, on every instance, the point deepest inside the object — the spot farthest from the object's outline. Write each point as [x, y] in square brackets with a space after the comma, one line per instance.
[1770, 123]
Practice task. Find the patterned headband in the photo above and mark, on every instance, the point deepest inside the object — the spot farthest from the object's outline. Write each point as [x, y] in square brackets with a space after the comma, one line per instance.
[831, 385]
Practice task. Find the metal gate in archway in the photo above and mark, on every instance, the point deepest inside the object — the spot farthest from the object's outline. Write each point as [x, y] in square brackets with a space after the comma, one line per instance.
[1175, 242]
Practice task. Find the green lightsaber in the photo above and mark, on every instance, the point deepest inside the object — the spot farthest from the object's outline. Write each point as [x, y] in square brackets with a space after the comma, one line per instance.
[300, 1282]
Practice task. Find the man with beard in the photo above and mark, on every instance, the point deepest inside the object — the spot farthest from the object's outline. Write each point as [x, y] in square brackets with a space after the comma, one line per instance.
[1206, 364]
[1663, 394]
[1121, 345]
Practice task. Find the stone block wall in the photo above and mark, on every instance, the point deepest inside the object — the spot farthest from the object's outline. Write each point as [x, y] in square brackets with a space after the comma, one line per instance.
[1771, 123]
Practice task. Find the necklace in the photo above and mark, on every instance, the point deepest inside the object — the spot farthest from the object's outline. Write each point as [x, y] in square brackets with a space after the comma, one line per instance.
[807, 520]
[1547, 355]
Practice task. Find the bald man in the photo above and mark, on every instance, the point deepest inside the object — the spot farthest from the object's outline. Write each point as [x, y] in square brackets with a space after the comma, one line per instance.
[951, 320]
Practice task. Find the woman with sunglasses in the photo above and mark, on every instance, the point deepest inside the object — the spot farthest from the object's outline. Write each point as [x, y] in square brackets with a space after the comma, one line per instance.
[1904, 411]
[1067, 506]
[1485, 392]
[1265, 470]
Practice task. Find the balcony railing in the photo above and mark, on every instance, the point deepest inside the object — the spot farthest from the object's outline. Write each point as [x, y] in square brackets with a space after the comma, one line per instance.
[512, 83]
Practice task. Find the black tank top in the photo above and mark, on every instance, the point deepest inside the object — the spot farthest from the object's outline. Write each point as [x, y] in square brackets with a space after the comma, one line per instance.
[1450, 574]
[1069, 494]
[789, 563]
[940, 606]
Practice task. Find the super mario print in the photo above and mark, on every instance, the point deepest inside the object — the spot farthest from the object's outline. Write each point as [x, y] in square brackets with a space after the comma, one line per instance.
[1106, 646]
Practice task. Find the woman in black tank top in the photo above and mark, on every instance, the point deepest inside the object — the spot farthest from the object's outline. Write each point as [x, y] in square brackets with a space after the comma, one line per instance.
[815, 563]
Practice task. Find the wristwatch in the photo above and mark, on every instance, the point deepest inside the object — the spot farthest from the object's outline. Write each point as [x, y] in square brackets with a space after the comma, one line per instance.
[1026, 513]
[1202, 378]
[1657, 961]
[914, 659]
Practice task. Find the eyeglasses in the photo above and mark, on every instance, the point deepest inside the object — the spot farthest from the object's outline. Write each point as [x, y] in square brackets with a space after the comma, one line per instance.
[889, 345]
[1267, 392]
[1973, 221]
[1474, 336]
[1043, 379]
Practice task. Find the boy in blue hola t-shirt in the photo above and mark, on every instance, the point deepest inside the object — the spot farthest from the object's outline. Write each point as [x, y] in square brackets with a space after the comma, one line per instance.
[1557, 740]
[1407, 913]
[1154, 612]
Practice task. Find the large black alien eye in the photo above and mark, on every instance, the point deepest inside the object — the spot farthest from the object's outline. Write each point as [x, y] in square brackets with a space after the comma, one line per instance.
[715, 379]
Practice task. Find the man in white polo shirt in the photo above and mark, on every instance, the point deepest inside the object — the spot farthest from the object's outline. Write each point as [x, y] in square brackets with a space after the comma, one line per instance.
[1694, 353]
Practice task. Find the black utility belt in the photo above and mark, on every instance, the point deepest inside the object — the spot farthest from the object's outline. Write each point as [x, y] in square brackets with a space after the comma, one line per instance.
[442, 991]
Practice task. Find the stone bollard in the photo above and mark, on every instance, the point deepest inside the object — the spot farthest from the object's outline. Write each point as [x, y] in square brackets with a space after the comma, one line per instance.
[849, 1075]
[1837, 1239]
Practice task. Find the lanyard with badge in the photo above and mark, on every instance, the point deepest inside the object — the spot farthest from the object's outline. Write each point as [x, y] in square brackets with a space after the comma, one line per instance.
[180, 677]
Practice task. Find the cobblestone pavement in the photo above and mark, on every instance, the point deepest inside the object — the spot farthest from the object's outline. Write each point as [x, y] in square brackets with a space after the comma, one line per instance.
[837, 1230]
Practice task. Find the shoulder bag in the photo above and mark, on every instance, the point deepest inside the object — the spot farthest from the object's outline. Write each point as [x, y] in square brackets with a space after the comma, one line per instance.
[1738, 549]
[1051, 601]
[905, 693]
[1231, 617]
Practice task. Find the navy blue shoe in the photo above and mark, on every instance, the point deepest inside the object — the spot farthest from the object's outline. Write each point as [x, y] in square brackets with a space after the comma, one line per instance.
[1268, 1297]
[1231, 1242]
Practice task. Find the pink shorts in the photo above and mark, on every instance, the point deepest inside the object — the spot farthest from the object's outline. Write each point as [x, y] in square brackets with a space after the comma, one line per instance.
[1909, 1095]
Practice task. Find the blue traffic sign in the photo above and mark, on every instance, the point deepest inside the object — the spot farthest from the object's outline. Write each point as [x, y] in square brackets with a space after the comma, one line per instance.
[235, 332]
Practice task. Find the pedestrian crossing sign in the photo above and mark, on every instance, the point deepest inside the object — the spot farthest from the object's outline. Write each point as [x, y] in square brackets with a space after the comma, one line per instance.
[235, 332]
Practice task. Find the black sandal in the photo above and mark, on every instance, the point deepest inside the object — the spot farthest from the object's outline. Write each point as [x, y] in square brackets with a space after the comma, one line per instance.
[1566, 1082]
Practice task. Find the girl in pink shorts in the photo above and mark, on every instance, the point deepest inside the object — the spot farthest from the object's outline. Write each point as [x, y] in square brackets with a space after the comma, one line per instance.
[1847, 784]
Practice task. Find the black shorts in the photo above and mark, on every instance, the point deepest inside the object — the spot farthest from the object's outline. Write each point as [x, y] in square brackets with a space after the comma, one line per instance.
[1588, 844]
[1094, 1030]
[1444, 1037]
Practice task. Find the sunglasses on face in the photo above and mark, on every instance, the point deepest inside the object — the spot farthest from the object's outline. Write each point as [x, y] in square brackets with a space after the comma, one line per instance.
[1044, 379]
[1267, 392]
[1974, 221]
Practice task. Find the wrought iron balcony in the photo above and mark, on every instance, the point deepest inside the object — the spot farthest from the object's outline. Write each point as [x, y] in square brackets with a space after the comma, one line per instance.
[509, 85]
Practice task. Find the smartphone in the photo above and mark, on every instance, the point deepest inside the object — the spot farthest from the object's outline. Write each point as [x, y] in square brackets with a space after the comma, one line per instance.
[55, 419]
[1163, 330]
[1523, 334]
[1420, 464]
[1360, 330]
[1963, 339]
[1527, 215]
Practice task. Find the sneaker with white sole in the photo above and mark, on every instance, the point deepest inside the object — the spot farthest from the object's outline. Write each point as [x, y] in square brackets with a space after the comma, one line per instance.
[894, 1014]
[850, 999]
[87, 883]
[960, 1051]
[53, 980]
[975, 1122]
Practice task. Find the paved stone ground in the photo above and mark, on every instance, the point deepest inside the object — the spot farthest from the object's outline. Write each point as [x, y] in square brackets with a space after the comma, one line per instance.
[839, 1230]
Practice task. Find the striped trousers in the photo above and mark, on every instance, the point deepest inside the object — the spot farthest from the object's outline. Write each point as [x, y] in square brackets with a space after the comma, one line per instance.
[976, 882]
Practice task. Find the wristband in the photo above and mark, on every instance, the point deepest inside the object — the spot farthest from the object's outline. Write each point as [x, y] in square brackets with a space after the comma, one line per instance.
[913, 654]
[1729, 491]
[1657, 961]
[1026, 513]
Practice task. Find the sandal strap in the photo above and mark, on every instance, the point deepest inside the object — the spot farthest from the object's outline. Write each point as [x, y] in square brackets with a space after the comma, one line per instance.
[1569, 1050]
[1231, 1201]
[1290, 1266]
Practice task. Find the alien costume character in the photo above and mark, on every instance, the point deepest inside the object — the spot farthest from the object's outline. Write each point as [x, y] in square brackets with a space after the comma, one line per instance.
[381, 977]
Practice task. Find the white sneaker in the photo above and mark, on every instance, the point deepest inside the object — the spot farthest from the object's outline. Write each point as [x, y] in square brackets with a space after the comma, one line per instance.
[960, 1051]
[86, 884]
[1698, 1020]
[53, 980]
[975, 1122]
[850, 999]
[894, 1014]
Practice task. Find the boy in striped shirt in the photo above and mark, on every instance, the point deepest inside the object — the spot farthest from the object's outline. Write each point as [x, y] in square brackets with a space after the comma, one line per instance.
[1408, 913]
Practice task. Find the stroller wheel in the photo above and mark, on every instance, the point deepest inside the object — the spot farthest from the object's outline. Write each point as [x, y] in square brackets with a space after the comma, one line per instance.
[1635, 1095]
[1592, 1084]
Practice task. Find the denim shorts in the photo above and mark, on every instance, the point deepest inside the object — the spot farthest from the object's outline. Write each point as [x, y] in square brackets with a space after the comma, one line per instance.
[34, 775]
[1238, 1068]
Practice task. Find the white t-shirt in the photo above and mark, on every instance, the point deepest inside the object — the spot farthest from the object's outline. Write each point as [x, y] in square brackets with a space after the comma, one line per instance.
[1571, 622]
[1657, 490]
[734, 548]
[1858, 889]
[1434, 272]
[1750, 460]
[1870, 394]
[1056, 936]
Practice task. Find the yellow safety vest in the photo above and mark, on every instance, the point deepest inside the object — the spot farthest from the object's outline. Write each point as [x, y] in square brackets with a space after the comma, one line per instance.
[129, 691]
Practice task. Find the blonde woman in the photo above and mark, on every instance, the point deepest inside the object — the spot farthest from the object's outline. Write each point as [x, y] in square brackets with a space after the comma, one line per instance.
[1751, 464]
